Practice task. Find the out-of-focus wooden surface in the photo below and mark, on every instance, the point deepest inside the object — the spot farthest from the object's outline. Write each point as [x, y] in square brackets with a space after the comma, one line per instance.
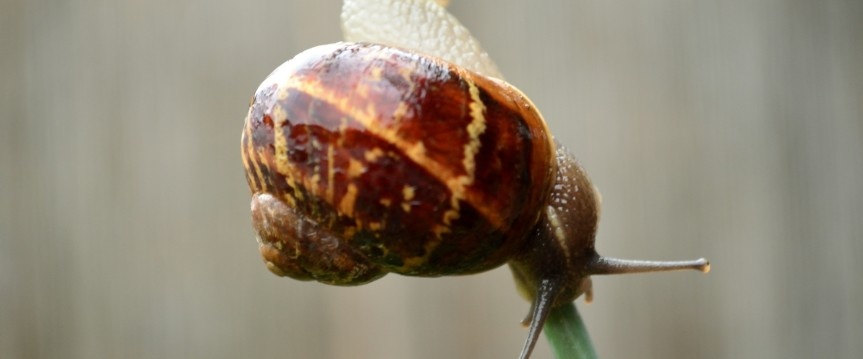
[726, 129]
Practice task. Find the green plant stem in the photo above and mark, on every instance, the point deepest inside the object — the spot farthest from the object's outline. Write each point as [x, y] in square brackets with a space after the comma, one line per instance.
[567, 335]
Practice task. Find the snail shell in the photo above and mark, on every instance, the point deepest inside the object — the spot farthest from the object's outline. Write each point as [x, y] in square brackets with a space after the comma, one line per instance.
[365, 159]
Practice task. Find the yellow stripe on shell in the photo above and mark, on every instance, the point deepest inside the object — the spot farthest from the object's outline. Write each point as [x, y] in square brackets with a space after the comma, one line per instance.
[346, 206]
[475, 128]
[250, 152]
[281, 155]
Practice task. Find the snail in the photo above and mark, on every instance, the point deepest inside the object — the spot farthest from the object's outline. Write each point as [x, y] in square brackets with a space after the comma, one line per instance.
[365, 159]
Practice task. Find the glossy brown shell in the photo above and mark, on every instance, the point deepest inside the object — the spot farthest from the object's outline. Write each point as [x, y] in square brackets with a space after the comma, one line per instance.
[365, 159]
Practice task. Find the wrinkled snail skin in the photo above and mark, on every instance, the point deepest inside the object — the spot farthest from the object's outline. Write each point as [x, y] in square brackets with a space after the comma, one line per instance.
[563, 240]
[365, 159]
[555, 268]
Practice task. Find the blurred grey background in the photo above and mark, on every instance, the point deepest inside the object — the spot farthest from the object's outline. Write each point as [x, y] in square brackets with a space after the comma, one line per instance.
[728, 129]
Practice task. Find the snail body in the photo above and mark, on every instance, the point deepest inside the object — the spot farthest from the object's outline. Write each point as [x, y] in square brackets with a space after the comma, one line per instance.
[365, 159]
